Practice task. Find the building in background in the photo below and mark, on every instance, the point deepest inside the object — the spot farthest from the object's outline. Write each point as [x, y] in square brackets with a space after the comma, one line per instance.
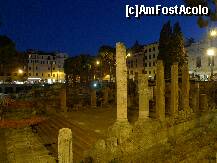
[199, 61]
[142, 59]
[46, 67]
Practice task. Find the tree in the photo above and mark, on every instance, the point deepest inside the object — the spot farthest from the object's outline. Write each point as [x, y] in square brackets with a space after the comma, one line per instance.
[203, 21]
[164, 47]
[171, 47]
[177, 46]
[107, 56]
[79, 66]
[11, 60]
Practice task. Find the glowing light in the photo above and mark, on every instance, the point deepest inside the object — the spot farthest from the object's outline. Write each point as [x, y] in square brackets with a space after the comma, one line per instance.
[34, 78]
[213, 33]
[210, 52]
[97, 62]
[128, 55]
[49, 81]
[20, 71]
[95, 84]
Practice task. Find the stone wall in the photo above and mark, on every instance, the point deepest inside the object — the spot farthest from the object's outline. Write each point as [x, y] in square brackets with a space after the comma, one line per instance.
[145, 136]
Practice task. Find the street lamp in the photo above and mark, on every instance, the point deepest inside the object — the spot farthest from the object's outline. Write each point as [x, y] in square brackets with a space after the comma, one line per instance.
[20, 71]
[128, 55]
[211, 53]
[97, 62]
[213, 33]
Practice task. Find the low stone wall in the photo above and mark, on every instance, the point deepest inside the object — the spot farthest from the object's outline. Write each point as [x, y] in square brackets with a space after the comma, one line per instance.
[146, 134]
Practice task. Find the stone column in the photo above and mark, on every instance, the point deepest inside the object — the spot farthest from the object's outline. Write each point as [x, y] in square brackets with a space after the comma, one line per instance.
[195, 97]
[93, 98]
[160, 91]
[174, 90]
[121, 80]
[65, 154]
[203, 102]
[143, 96]
[105, 95]
[185, 87]
[63, 100]
[151, 93]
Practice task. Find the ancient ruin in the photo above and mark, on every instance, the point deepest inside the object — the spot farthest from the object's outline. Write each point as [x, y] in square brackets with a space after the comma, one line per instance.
[160, 91]
[143, 97]
[65, 154]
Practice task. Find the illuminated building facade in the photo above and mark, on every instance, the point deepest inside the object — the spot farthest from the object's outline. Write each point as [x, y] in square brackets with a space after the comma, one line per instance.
[143, 60]
[46, 67]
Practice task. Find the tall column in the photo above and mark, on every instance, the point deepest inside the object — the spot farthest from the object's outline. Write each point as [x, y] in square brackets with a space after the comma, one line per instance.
[203, 102]
[185, 87]
[160, 91]
[65, 154]
[174, 90]
[143, 96]
[121, 80]
[195, 97]
[93, 98]
[63, 100]
[105, 95]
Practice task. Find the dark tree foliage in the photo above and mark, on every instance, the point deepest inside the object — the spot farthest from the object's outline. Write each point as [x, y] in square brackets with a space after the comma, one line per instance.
[7, 50]
[171, 47]
[10, 60]
[106, 54]
[79, 66]
[211, 4]
[177, 46]
[164, 47]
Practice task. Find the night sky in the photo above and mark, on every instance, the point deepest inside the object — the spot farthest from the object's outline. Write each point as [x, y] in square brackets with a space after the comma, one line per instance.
[82, 26]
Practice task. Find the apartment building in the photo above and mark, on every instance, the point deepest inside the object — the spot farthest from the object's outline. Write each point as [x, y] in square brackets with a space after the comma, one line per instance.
[46, 67]
[199, 61]
[142, 60]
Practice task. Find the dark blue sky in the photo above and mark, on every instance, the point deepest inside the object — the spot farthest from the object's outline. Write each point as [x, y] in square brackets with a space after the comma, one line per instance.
[82, 26]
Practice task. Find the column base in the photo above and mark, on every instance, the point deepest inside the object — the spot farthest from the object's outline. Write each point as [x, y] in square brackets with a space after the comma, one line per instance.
[121, 130]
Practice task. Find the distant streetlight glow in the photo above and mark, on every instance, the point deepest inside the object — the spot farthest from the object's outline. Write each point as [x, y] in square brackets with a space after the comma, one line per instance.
[128, 55]
[97, 62]
[20, 71]
[210, 52]
[213, 33]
